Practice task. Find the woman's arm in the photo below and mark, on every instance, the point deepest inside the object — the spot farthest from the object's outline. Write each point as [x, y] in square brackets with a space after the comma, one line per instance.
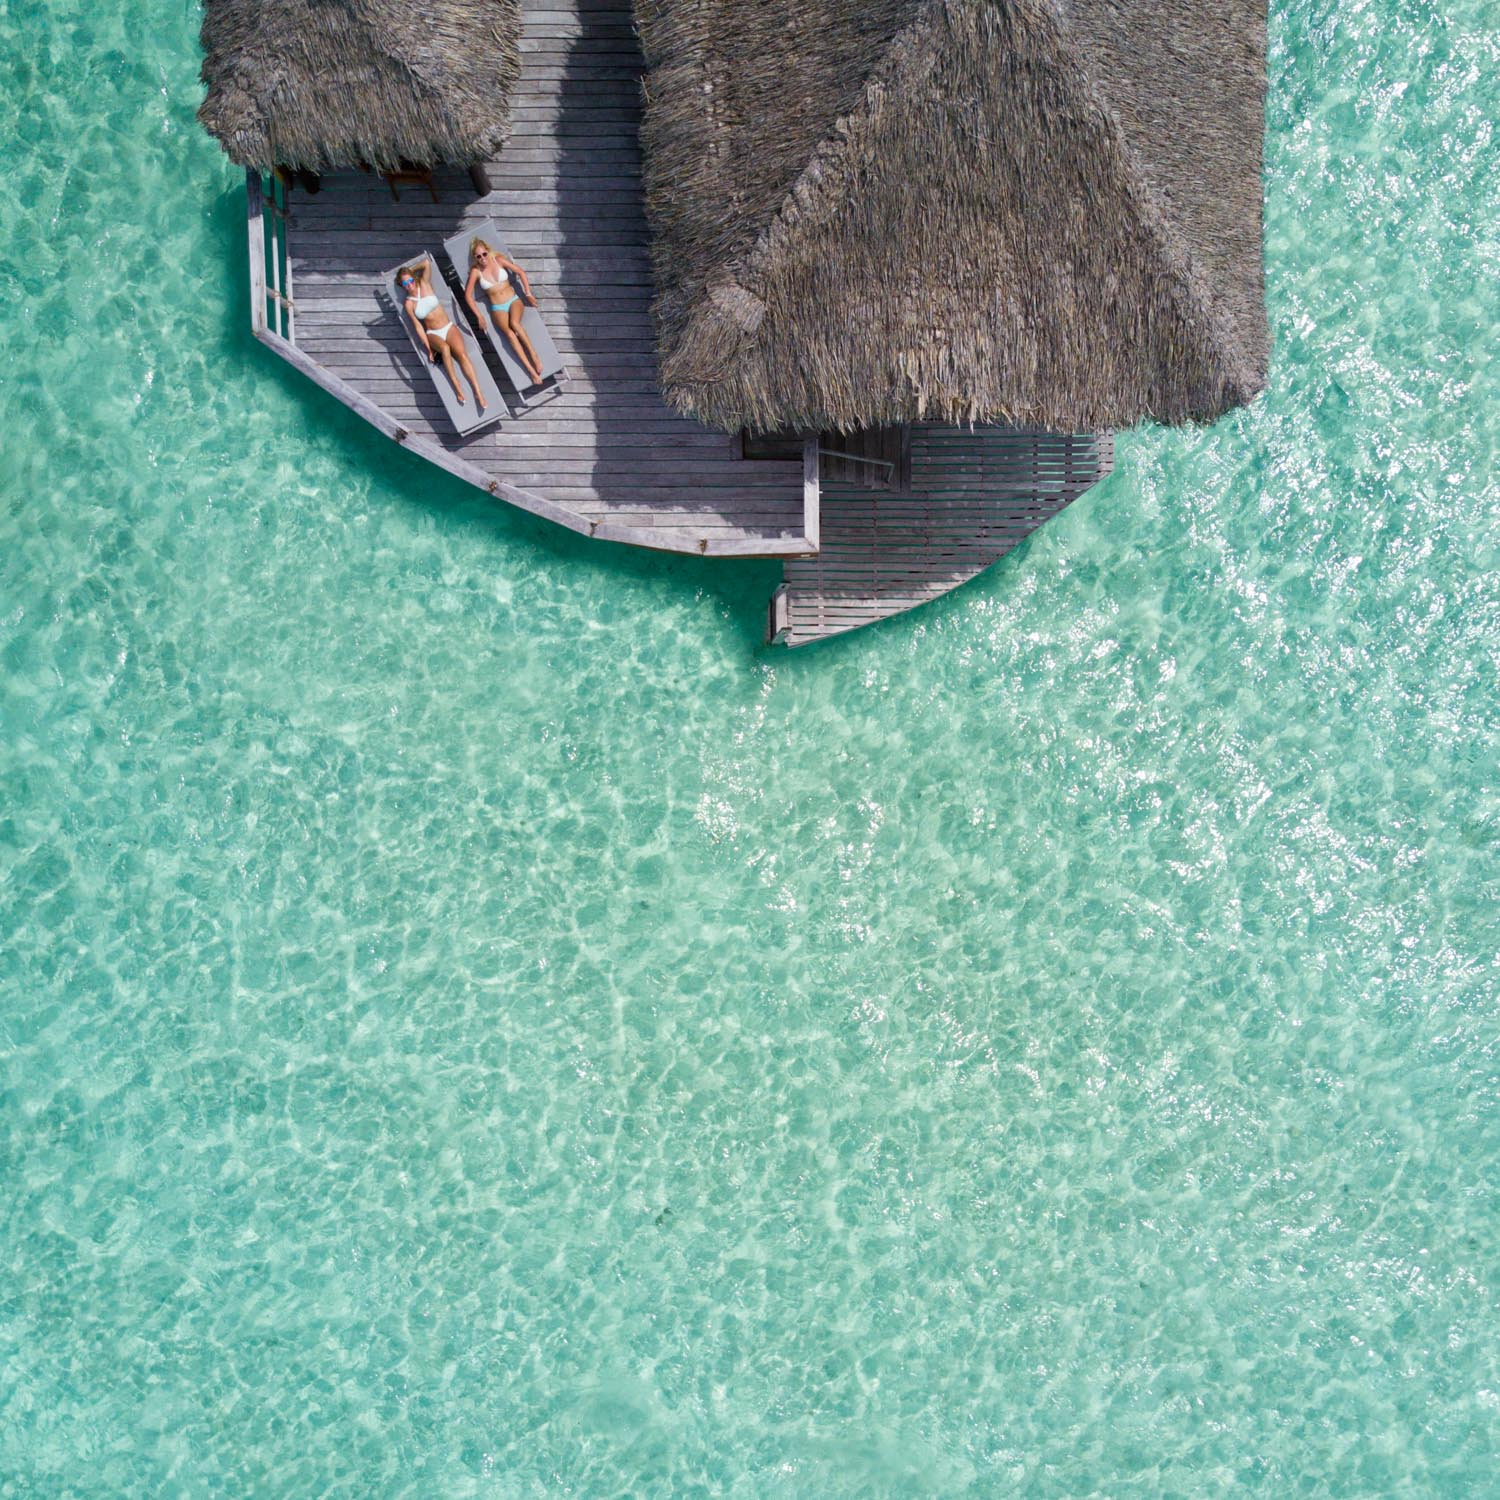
[417, 323]
[469, 296]
[521, 276]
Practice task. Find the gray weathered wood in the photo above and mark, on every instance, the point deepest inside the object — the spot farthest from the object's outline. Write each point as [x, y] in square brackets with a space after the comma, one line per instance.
[810, 492]
[566, 192]
[974, 494]
[257, 238]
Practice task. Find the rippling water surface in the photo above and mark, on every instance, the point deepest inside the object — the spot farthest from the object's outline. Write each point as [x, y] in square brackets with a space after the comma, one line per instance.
[474, 1024]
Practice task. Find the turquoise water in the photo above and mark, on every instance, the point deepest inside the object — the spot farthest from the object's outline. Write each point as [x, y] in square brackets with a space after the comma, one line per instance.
[473, 1023]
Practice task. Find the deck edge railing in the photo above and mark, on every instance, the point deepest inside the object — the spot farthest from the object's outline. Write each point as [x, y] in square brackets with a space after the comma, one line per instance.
[271, 304]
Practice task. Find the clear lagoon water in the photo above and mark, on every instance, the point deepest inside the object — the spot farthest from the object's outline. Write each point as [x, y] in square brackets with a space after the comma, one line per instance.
[473, 1023]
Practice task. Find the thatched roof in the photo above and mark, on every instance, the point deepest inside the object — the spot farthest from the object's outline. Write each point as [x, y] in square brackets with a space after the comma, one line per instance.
[1032, 211]
[324, 84]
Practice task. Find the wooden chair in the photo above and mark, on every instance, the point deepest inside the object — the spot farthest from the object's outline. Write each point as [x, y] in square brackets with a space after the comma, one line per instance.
[409, 174]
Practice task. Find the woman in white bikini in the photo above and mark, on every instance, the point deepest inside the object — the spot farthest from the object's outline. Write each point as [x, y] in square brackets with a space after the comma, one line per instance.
[507, 300]
[440, 337]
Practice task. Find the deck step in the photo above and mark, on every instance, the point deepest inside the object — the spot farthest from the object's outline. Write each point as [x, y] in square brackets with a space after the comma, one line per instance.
[974, 495]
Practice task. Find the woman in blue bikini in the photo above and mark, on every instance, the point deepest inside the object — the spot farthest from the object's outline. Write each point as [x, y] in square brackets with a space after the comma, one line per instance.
[435, 328]
[507, 300]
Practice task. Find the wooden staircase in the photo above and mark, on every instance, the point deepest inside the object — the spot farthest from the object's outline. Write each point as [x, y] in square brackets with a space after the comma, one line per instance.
[972, 495]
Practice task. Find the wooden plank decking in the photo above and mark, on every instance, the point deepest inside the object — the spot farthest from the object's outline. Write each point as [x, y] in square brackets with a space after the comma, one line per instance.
[974, 495]
[604, 455]
[606, 449]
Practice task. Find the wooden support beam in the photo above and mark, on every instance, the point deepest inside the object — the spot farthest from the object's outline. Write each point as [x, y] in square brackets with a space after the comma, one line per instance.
[810, 492]
[257, 237]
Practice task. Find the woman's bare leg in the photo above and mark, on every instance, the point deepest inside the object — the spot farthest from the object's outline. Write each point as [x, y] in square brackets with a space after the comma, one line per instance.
[461, 351]
[447, 357]
[516, 332]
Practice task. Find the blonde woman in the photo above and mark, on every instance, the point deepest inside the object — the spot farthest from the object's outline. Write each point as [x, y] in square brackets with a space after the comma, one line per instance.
[439, 335]
[507, 299]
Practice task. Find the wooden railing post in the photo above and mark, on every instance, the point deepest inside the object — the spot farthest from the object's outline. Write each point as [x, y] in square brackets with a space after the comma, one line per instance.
[810, 491]
[257, 227]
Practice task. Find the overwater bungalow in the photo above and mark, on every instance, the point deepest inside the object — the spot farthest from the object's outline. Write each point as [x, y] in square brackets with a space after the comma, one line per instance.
[862, 285]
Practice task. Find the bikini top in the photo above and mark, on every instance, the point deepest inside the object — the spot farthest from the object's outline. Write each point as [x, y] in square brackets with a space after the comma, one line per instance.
[491, 286]
[425, 305]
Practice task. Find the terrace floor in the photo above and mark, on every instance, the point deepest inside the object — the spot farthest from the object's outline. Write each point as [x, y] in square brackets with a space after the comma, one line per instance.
[567, 188]
[603, 454]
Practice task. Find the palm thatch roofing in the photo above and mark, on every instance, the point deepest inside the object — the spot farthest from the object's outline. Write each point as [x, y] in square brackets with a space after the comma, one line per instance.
[324, 84]
[1032, 211]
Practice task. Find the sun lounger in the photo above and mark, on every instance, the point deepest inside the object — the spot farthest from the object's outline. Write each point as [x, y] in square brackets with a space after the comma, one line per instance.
[465, 415]
[531, 320]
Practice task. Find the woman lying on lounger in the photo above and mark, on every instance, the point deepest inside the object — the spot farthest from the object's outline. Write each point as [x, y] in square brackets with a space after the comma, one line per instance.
[440, 337]
[507, 300]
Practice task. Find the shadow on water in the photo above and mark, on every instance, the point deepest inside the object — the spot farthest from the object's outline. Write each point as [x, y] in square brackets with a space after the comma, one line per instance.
[739, 587]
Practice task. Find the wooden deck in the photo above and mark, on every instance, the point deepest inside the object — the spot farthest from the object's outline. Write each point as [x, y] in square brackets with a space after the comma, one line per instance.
[973, 495]
[603, 454]
[605, 449]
